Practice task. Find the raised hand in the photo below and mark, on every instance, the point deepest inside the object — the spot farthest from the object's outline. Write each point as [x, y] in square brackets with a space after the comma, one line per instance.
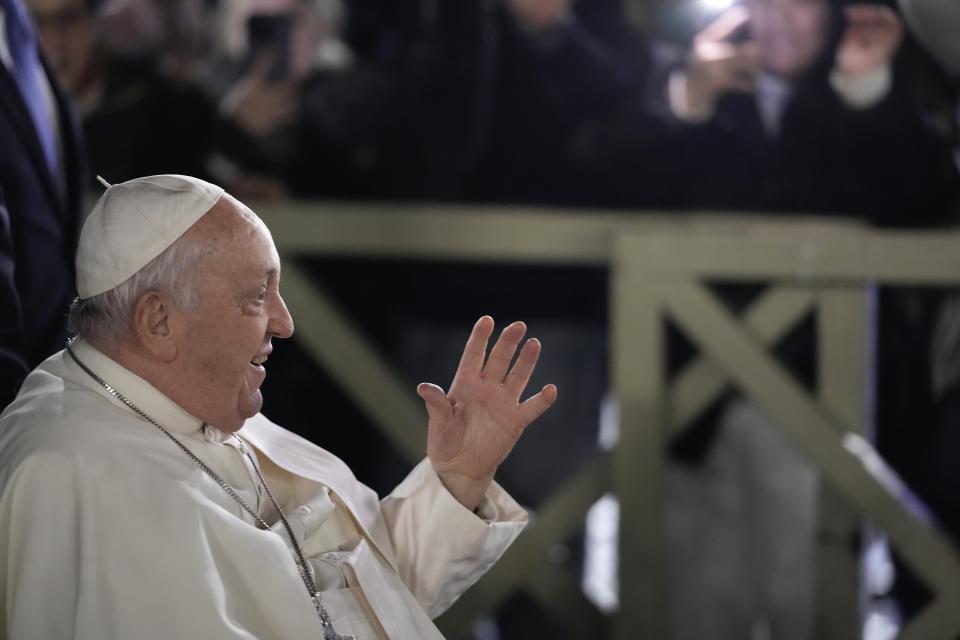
[474, 426]
[717, 66]
[872, 37]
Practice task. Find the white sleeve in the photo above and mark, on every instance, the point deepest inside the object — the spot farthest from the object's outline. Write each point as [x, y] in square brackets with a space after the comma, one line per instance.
[441, 547]
[863, 91]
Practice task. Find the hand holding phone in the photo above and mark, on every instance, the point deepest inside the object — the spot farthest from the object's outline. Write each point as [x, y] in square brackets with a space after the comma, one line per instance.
[268, 36]
[259, 105]
[722, 60]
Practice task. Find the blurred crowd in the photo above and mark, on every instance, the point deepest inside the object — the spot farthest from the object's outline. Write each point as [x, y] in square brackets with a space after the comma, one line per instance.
[775, 105]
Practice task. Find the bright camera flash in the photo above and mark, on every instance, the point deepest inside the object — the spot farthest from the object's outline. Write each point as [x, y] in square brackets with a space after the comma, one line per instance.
[714, 6]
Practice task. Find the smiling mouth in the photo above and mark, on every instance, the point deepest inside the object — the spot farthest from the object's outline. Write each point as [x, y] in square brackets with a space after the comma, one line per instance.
[259, 360]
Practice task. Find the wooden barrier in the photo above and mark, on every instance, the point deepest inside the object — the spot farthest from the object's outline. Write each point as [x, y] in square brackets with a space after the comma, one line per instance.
[658, 266]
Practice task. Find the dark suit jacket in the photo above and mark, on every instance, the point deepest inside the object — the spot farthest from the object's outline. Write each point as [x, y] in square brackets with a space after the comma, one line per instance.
[39, 226]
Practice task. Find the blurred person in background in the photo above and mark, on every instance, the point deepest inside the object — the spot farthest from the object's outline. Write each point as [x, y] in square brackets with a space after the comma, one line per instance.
[479, 121]
[812, 111]
[416, 101]
[544, 68]
[790, 105]
[323, 121]
[779, 106]
[177, 34]
[136, 120]
[41, 192]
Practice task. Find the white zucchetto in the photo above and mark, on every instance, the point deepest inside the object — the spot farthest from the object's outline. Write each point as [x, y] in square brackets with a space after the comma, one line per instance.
[133, 223]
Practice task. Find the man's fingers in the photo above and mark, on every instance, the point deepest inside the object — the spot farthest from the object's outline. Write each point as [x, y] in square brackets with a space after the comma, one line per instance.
[438, 407]
[534, 406]
[522, 369]
[471, 362]
[502, 352]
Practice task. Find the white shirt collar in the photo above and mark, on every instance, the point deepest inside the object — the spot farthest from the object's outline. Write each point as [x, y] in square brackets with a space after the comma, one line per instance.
[141, 393]
[772, 96]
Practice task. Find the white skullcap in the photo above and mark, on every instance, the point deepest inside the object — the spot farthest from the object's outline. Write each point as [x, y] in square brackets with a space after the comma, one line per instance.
[133, 223]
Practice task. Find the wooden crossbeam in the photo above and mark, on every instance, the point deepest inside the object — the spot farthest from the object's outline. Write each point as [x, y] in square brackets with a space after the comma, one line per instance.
[706, 243]
[808, 425]
[437, 233]
[823, 254]
[701, 382]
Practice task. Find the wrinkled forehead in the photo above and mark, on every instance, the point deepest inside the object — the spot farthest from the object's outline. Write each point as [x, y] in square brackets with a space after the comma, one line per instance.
[253, 225]
[242, 211]
[227, 218]
[235, 236]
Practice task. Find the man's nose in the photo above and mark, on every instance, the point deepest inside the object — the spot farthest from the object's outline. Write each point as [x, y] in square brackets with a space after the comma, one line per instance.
[281, 323]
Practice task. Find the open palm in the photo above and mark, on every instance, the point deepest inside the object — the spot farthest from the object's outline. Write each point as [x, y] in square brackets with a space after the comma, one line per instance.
[474, 426]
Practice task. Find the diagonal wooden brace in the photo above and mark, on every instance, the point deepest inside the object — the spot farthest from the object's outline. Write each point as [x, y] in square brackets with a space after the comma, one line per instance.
[700, 382]
[851, 469]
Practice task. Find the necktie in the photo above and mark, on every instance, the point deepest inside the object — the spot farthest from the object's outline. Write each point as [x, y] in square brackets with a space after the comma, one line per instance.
[27, 73]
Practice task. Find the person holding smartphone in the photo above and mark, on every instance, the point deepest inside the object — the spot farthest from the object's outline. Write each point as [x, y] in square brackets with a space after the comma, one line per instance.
[807, 105]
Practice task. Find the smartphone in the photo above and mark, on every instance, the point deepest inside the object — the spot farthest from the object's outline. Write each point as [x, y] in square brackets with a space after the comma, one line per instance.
[270, 32]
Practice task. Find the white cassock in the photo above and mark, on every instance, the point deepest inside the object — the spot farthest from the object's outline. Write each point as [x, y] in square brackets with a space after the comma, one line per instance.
[108, 530]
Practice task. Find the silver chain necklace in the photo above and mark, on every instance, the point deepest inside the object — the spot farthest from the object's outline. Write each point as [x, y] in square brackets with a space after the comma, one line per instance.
[329, 633]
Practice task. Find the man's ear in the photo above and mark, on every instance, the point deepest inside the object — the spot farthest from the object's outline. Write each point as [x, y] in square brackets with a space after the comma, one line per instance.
[153, 325]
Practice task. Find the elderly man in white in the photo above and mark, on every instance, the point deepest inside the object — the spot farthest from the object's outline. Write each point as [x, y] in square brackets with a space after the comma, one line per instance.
[145, 496]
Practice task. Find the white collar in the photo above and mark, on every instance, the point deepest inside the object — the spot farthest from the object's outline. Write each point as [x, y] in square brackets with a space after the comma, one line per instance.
[141, 393]
[773, 93]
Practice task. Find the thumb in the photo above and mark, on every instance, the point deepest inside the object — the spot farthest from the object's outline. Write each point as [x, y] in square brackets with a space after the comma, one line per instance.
[438, 407]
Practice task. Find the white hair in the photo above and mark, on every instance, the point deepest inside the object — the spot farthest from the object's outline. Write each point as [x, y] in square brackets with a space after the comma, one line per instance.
[107, 317]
